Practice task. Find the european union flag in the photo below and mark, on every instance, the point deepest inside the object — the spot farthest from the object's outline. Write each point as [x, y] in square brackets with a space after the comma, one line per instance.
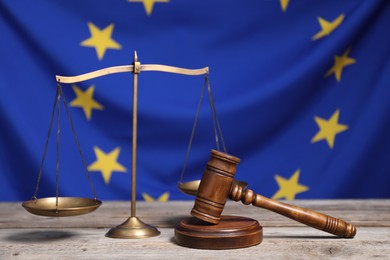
[301, 89]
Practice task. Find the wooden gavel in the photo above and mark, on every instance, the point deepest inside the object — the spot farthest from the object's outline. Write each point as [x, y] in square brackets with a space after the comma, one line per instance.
[218, 184]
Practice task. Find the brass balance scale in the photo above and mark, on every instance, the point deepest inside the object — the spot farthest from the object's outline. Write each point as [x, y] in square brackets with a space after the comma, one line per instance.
[133, 227]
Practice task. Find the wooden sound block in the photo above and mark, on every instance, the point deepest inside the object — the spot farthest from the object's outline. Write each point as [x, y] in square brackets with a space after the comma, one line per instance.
[231, 232]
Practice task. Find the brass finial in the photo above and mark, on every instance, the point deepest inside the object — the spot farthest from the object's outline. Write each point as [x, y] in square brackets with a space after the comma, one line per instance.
[136, 64]
[135, 56]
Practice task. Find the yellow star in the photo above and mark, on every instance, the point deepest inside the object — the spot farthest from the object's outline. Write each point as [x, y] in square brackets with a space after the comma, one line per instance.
[284, 4]
[328, 27]
[289, 188]
[106, 163]
[85, 100]
[163, 198]
[148, 4]
[339, 63]
[101, 40]
[329, 129]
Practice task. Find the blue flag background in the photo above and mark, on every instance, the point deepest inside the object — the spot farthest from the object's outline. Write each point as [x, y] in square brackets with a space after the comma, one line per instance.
[301, 87]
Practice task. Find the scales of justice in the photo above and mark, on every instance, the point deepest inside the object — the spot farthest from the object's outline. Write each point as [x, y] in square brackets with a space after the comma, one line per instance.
[207, 228]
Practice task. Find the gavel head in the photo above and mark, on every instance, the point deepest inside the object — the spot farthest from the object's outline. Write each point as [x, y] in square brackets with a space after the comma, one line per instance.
[215, 187]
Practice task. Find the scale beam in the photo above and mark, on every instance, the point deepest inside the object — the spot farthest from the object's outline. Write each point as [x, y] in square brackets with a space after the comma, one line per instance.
[130, 68]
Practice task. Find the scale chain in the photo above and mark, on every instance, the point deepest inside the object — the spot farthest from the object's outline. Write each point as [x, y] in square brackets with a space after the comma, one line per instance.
[58, 144]
[216, 125]
[77, 141]
[193, 130]
[45, 147]
[207, 82]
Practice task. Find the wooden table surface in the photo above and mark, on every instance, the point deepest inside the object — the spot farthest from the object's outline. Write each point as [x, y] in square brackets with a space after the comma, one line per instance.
[26, 236]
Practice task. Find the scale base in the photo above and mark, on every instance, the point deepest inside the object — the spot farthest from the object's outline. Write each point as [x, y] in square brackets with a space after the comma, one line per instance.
[133, 228]
[231, 232]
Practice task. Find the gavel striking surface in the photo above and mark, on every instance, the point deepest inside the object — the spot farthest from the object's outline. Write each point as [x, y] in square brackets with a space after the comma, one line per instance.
[232, 232]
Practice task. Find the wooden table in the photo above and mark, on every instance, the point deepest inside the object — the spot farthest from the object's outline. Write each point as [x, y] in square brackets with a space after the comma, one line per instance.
[26, 236]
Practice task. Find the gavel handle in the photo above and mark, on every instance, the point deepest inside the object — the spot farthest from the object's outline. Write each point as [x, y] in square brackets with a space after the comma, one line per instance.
[308, 217]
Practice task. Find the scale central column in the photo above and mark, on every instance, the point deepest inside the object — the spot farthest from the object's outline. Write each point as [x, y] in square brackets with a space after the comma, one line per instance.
[136, 71]
[133, 227]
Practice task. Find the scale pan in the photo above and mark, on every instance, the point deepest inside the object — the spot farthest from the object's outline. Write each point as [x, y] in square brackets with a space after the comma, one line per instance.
[67, 206]
[191, 187]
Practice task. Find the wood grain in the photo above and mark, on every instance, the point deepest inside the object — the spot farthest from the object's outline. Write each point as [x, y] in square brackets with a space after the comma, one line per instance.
[32, 237]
